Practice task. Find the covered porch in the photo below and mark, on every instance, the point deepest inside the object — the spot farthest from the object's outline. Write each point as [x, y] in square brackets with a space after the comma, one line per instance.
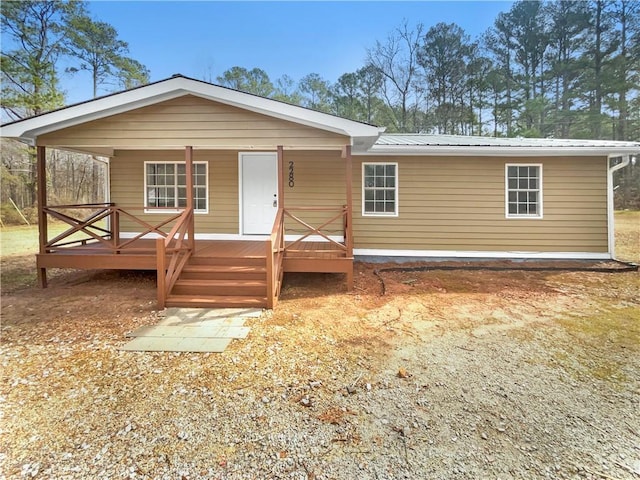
[170, 212]
[194, 271]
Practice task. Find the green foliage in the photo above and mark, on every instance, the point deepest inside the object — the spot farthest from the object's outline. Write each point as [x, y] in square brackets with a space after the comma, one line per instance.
[445, 54]
[130, 73]
[254, 81]
[286, 91]
[316, 93]
[36, 33]
[100, 52]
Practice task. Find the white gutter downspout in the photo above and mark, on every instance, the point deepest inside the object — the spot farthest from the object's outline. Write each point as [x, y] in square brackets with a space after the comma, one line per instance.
[610, 215]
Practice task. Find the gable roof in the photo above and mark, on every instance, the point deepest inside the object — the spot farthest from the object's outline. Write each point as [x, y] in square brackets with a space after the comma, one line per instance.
[463, 145]
[366, 139]
[27, 130]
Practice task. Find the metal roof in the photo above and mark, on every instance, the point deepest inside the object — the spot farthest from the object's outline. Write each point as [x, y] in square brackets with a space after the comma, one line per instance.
[425, 144]
[474, 141]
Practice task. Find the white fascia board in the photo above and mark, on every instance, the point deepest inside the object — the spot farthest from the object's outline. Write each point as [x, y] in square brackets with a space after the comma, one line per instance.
[29, 129]
[369, 252]
[471, 151]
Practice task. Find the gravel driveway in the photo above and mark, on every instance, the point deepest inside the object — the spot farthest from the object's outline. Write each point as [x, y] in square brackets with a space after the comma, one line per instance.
[448, 375]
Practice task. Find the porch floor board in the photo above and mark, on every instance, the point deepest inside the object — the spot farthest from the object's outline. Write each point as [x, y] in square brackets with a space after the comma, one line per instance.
[96, 255]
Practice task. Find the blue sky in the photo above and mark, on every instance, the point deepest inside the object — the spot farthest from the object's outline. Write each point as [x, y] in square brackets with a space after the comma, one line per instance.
[204, 38]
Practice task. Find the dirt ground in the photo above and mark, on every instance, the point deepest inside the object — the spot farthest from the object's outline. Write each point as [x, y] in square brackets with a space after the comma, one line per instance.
[448, 374]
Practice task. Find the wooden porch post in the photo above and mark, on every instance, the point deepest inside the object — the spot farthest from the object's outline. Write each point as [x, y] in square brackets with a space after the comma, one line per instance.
[280, 176]
[349, 230]
[41, 166]
[188, 160]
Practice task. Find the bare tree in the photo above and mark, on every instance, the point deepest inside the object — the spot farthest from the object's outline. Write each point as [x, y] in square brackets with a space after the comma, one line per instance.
[396, 60]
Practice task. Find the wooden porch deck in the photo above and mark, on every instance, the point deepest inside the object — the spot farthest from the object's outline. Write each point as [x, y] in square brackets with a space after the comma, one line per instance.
[141, 254]
[219, 273]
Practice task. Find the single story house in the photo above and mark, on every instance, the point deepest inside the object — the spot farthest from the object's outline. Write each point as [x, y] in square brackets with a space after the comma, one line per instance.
[279, 188]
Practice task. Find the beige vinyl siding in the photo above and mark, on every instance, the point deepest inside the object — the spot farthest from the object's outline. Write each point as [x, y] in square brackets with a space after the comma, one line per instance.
[445, 203]
[194, 121]
[127, 187]
[319, 182]
[458, 203]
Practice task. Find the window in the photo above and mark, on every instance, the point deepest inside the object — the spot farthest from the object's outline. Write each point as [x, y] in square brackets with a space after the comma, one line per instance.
[166, 185]
[524, 191]
[380, 189]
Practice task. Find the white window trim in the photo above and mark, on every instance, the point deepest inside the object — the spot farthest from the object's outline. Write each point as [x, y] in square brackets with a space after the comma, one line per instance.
[512, 216]
[397, 189]
[148, 209]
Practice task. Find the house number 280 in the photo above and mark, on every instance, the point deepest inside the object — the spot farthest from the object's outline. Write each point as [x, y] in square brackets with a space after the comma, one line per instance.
[291, 177]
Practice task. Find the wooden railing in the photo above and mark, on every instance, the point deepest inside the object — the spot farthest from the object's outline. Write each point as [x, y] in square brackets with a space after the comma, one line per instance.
[340, 216]
[275, 256]
[177, 247]
[277, 247]
[101, 227]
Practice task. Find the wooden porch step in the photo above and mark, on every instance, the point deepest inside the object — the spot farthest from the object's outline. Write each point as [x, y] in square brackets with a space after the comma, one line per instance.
[215, 301]
[214, 281]
[219, 287]
[224, 272]
[229, 261]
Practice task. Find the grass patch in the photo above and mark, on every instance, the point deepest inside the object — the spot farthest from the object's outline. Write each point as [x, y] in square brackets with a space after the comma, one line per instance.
[23, 239]
[627, 227]
[601, 344]
[620, 327]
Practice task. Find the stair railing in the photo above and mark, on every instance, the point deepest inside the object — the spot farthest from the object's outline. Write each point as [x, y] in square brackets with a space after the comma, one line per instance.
[275, 256]
[172, 254]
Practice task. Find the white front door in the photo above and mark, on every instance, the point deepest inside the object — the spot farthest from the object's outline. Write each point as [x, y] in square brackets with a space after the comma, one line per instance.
[258, 192]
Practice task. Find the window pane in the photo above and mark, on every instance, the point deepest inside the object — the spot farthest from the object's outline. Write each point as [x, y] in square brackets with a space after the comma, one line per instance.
[390, 171]
[166, 184]
[523, 190]
[379, 185]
